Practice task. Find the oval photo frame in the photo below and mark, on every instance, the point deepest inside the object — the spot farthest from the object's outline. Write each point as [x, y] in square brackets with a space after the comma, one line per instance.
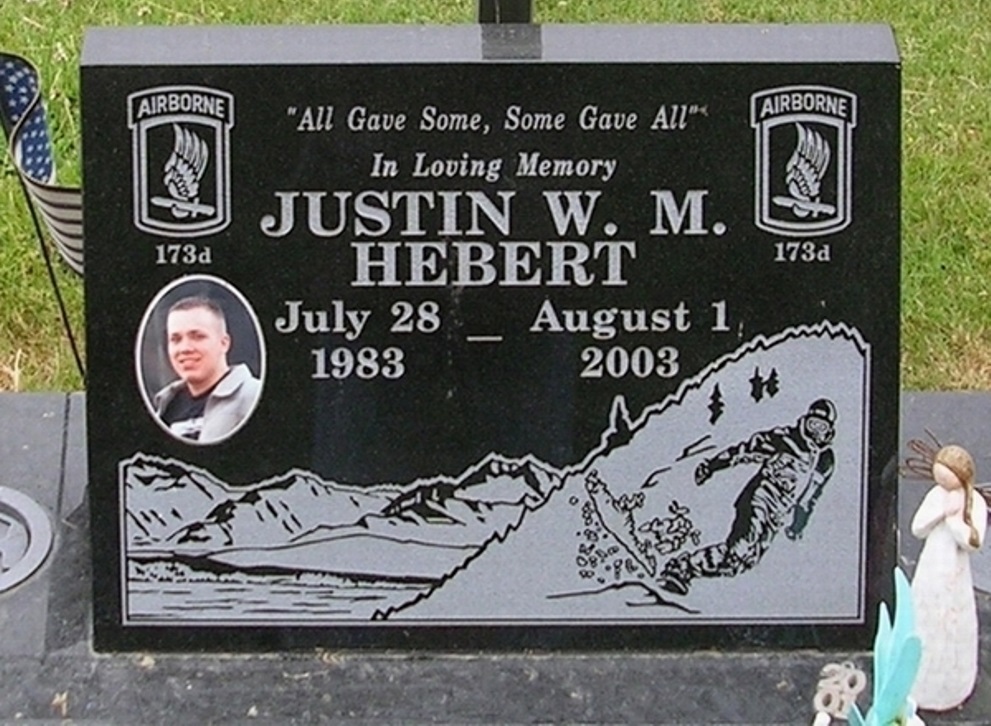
[151, 359]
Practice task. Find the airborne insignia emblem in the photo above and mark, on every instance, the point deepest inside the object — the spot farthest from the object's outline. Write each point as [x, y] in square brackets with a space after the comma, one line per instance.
[804, 159]
[180, 149]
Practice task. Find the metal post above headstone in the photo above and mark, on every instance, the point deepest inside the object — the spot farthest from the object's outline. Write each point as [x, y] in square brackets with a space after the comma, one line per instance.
[505, 11]
[444, 337]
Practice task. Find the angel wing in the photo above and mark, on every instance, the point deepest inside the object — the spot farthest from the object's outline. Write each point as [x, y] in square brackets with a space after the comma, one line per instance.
[807, 165]
[186, 165]
[985, 491]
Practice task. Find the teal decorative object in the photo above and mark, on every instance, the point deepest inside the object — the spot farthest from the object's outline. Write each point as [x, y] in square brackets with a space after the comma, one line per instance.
[897, 652]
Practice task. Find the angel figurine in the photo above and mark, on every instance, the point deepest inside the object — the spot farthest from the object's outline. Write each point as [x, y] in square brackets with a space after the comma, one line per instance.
[952, 520]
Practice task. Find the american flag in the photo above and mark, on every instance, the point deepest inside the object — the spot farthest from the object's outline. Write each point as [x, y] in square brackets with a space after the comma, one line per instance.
[22, 114]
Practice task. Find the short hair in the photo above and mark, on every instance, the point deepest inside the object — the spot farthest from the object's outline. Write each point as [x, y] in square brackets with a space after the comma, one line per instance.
[199, 301]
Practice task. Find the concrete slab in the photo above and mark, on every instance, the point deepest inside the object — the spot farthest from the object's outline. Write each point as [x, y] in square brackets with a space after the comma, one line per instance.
[74, 475]
[67, 627]
[31, 446]
[23, 618]
[32, 430]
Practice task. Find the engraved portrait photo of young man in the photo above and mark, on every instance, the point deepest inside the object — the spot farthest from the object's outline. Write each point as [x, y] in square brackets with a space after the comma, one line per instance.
[200, 360]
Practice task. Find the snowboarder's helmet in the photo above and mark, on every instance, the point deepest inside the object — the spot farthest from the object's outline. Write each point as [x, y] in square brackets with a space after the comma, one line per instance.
[817, 424]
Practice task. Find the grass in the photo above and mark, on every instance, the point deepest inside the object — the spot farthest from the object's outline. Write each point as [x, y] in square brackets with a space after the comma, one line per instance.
[946, 51]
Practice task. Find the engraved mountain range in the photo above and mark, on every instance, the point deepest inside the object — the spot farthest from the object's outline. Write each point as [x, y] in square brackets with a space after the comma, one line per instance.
[299, 522]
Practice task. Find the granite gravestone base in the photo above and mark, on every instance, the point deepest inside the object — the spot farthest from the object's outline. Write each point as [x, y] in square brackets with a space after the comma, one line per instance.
[560, 337]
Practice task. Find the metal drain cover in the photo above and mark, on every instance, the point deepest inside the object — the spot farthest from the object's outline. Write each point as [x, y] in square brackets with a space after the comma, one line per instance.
[25, 537]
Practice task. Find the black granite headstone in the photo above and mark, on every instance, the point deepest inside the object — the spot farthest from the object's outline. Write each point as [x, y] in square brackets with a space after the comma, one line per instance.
[509, 337]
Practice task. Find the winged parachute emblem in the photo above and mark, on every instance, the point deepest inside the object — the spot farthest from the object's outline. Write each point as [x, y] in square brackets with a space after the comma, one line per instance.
[183, 171]
[803, 174]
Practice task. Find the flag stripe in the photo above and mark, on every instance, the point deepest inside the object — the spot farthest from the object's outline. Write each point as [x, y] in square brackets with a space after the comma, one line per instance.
[59, 211]
[66, 197]
[64, 229]
[65, 215]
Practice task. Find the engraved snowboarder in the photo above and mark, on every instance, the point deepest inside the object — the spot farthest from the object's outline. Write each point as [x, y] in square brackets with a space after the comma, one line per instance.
[795, 463]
